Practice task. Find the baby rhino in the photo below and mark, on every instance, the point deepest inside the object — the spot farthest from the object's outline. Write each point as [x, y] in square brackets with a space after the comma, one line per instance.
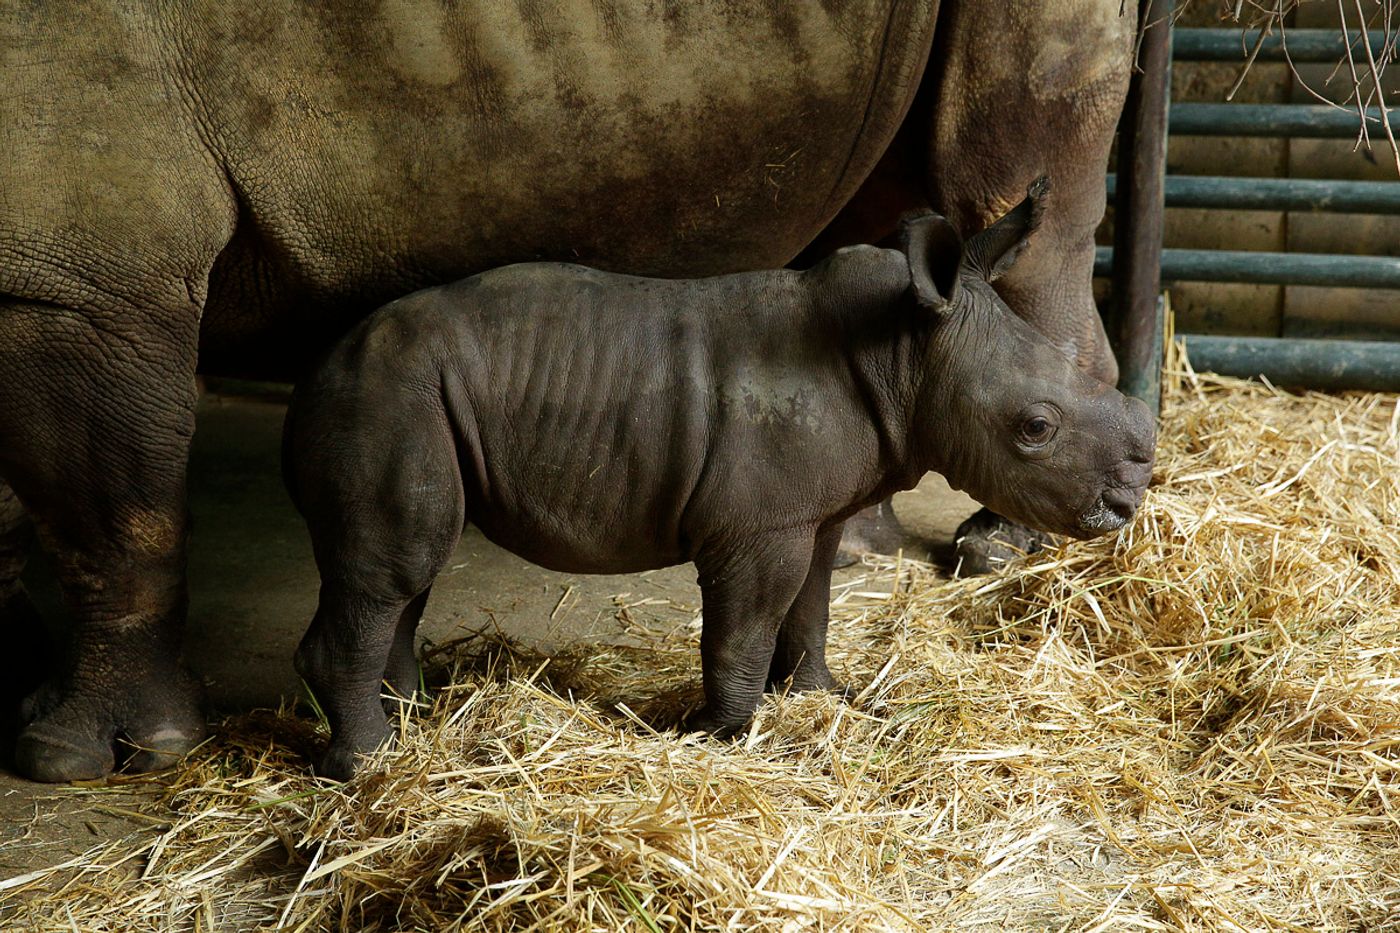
[600, 423]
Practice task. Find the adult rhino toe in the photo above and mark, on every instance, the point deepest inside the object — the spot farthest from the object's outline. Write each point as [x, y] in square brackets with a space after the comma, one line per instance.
[162, 748]
[986, 542]
[49, 753]
[77, 735]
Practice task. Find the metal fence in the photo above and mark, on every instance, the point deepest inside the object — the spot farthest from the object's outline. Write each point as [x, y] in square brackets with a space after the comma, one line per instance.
[1138, 264]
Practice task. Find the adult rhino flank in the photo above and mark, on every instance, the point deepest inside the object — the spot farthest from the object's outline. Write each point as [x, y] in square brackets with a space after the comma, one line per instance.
[235, 185]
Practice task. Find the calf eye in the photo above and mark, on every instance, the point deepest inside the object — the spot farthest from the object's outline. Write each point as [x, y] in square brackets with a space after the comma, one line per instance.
[1037, 430]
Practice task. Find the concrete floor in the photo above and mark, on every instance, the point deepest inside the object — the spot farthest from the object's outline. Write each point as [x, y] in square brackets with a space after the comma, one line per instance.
[253, 590]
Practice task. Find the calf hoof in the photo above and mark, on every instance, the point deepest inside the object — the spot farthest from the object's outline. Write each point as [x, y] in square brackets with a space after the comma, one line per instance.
[714, 724]
[342, 759]
[75, 738]
[837, 688]
[337, 764]
[804, 682]
[986, 542]
[398, 704]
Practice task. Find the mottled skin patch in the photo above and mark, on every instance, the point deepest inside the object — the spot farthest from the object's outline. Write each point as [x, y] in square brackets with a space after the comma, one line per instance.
[237, 184]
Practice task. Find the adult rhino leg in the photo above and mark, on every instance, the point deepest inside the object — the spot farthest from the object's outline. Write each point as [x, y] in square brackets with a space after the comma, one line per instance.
[26, 654]
[1026, 90]
[893, 187]
[872, 530]
[96, 416]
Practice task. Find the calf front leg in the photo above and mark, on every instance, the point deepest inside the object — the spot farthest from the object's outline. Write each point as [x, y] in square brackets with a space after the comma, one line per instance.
[747, 590]
[799, 659]
[95, 425]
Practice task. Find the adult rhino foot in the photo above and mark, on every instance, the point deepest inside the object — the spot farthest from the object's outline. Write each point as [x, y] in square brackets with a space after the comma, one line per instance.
[78, 735]
[873, 530]
[986, 542]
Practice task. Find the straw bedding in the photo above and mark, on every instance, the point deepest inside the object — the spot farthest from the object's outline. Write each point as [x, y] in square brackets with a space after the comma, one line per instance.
[1192, 725]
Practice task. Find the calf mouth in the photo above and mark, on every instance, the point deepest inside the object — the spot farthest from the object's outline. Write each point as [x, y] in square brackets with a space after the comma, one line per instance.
[1111, 511]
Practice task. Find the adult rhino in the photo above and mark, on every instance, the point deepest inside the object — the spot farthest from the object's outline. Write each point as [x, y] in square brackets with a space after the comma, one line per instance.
[232, 185]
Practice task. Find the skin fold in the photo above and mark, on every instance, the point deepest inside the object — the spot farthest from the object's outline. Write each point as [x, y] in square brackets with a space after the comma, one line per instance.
[734, 422]
[231, 187]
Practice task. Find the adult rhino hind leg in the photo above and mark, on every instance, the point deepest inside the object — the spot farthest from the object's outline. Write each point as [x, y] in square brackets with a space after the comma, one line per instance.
[1034, 90]
[874, 530]
[27, 653]
[95, 424]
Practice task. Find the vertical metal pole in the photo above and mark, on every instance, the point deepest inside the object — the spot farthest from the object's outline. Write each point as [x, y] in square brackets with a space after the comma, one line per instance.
[1137, 256]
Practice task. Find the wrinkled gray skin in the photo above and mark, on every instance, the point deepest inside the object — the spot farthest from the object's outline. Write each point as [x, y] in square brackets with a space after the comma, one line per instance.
[734, 421]
[237, 184]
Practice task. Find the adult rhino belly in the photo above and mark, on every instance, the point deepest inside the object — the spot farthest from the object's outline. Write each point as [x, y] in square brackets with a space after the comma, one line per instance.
[375, 149]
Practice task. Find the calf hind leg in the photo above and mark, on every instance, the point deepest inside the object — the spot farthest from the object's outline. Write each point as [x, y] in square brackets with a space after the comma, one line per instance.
[384, 504]
[357, 656]
[344, 659]
[401, 674]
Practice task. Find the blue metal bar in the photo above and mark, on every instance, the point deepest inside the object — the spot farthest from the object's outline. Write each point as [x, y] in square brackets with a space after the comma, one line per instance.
[1208, 265]
[1303, 45]
[1314, 121]
[1314, 364]
[1279, 194]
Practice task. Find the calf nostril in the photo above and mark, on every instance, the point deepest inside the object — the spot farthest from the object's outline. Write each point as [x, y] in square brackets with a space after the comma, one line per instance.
[1133, 473]
[1123, 502]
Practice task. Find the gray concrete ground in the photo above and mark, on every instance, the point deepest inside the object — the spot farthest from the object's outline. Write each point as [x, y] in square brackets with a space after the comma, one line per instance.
[253, 590]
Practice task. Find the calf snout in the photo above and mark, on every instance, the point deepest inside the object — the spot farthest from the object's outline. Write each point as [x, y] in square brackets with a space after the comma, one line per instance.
[1141, 432]
[1126, 481]
[1119, 501]
[1135, 473]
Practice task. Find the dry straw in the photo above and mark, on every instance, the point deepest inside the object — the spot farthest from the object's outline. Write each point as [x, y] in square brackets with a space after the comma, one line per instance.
[1192, 725]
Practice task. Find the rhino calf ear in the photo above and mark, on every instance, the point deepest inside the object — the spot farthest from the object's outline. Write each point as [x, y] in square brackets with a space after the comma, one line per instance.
[935, 254]
[995, 250]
